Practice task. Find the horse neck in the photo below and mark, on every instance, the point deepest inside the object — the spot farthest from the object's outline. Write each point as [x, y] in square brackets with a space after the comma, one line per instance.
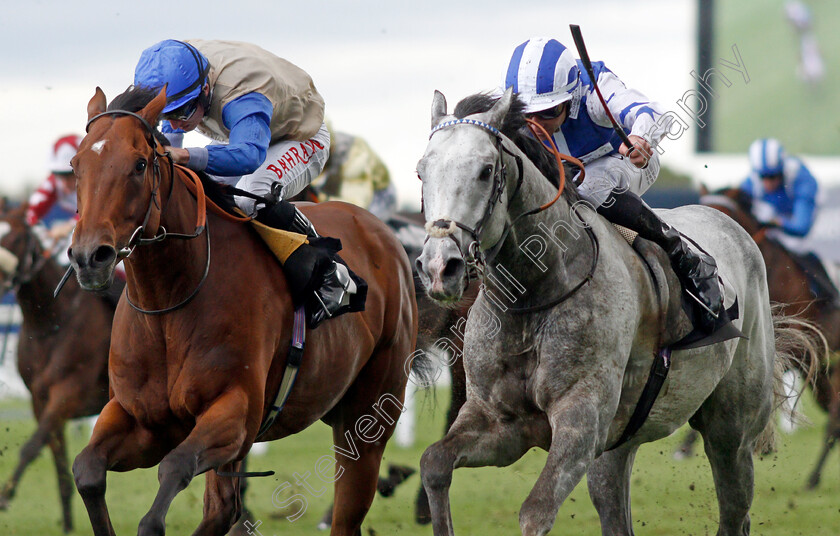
[157, 270]
[563, 239]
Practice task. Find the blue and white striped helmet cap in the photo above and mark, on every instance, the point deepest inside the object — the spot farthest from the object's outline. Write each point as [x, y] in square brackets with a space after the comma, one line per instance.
[767, 157]
[543, 72]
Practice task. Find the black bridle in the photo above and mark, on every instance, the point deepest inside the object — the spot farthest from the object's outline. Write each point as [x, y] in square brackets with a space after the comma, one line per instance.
[476, 258]
[136, 238]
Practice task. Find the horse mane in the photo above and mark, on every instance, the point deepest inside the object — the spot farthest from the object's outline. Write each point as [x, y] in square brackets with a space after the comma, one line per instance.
[134, 99]
[515, 128]
[739, 196]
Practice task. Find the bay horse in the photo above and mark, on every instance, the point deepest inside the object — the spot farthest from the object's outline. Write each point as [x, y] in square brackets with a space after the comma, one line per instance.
[191, 385]
[579, 330]
[788, 285]
[62, 353]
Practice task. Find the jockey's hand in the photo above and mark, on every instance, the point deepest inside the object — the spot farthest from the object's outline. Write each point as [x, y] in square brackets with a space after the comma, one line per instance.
[641, 151]
[179, 155]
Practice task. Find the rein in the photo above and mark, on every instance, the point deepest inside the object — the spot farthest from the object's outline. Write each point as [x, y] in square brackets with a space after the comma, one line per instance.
[479, 260]
[137, 236]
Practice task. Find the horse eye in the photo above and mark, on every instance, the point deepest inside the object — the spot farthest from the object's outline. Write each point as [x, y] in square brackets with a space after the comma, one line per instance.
[486, 173]
[140, 166]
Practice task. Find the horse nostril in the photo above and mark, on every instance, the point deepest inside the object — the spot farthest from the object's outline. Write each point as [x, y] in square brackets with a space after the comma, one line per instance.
[453, 267]
[103, 255]
[419, 264]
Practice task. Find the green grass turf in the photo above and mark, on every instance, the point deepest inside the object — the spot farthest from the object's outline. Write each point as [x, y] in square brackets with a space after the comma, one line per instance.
[775, 102]
[669, 497]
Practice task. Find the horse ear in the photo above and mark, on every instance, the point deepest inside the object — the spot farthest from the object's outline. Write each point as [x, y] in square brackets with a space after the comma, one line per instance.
[97, 104]
[438, 108]
[703, 189]
[152, 110]
[499, 110]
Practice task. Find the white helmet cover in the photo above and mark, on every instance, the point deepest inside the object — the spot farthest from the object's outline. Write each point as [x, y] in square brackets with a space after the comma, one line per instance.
[543, 72]
[767, 157]
[64, 149]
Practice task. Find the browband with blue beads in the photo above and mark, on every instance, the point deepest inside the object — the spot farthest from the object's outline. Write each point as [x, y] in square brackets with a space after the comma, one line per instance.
[493, 130]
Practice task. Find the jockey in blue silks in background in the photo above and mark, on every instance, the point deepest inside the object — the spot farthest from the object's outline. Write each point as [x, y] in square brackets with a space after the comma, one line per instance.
[267, 119]
[559, 95]
[784, 199]
[784, 191]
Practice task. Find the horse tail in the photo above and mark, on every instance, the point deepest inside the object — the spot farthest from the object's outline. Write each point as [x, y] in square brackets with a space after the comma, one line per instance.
[800, 345]
[424, 369]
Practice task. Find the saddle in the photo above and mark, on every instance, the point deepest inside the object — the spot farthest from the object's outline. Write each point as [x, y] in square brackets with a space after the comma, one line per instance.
[677, 309]
[676, 325]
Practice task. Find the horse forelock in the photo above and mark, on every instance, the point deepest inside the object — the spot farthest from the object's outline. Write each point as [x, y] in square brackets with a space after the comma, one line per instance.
[514, 127]
[134, 99]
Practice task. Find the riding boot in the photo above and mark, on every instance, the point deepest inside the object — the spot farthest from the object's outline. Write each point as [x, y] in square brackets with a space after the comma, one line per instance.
[697, 271]
[314, 276]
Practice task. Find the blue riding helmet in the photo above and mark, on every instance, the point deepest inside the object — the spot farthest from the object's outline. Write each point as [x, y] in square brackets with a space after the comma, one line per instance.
[767, 157]
[178, 64]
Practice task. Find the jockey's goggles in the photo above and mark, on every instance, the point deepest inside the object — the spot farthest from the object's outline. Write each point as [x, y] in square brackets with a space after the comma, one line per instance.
[551, 113]
[183, 113]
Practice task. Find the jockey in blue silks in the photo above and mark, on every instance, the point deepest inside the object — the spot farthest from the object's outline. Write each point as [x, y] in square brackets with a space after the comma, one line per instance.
[784, 199]
[783, 189]
[267, 120]
[559, 95]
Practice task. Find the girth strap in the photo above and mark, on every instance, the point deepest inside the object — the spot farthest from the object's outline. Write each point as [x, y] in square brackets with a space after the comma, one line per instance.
[293, 363]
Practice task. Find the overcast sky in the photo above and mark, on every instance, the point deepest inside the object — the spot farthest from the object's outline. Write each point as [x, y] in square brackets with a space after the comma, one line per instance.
[376, 63]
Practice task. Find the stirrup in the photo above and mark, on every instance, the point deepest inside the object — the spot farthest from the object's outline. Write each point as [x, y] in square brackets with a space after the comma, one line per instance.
[333, 295]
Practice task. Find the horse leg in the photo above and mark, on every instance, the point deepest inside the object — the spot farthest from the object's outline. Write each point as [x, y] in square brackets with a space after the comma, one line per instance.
[686, 448]
[215, 440]
[729, 439]
[608, 480]
[50, 420]
[222, 501]
[476, 439]
[356, 481]
[458, 391]
[816, 474]
[65, 480]
[573, 443]
[117, 443]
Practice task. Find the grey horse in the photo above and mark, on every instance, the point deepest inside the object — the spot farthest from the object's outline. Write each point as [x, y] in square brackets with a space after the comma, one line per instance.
[562, 336]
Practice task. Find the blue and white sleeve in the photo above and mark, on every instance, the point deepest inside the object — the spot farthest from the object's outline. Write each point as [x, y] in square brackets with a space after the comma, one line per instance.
[634, 111]
[249, 120]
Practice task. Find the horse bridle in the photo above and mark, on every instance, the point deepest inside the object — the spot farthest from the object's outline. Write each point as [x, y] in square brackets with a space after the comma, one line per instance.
[136, 238]
[476, 257]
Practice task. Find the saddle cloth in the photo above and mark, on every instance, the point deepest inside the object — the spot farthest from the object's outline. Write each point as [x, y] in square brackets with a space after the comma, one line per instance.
[281, 243]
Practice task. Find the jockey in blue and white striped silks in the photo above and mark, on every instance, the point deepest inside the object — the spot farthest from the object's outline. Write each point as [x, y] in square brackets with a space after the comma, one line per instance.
[561, 97]
[545, 74]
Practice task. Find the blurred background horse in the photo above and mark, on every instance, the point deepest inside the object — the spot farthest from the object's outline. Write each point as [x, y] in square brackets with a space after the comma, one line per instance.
[62, 353]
